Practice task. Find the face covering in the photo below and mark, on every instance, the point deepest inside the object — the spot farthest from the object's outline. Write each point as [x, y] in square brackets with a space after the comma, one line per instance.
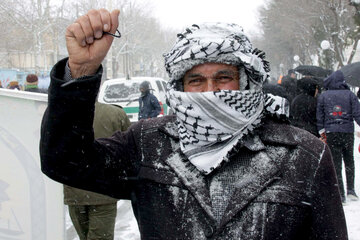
[211, 124]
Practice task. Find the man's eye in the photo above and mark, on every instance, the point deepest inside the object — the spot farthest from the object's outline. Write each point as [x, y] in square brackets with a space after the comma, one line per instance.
[194, 81]
[224, 78]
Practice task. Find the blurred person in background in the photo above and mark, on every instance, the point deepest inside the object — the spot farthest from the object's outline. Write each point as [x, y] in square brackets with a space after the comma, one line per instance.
[14, 85]
[337, 108]
[276, 90]
[149, 106]
[303, 107]
[31, 83]
[289, 83]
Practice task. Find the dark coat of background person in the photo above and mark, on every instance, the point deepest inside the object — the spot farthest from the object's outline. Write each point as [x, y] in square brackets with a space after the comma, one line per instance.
[337, 94]
[149, 106]
[108, 119]
[276, 90]
[303, 107]
[337, 109]
[289, 83]
[286, 181]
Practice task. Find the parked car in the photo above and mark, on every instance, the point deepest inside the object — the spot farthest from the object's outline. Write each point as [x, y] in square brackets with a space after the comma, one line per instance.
[125, 93]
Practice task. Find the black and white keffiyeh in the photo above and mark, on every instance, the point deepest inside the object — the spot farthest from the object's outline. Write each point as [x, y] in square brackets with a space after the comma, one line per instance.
[210, 124]
[216, 42]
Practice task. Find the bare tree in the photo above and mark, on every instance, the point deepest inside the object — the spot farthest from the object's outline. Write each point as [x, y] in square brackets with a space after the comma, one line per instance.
[31, 27]
[36, 28]
[356, 32]
[139, 51]
[297, 27]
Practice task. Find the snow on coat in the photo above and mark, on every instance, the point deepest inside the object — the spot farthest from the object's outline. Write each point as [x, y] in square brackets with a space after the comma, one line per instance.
[280, 184]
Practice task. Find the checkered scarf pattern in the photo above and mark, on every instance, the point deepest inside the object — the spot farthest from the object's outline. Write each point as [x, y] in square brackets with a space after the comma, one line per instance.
[210, 124]
[216, 42]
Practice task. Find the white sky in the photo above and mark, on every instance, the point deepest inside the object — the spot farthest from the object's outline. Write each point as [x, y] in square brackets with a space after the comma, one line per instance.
[178, 14]
[182, 13]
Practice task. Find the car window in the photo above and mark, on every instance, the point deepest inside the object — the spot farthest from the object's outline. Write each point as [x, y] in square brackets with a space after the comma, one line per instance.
[122, 92]
[160, 87]
[164, 85]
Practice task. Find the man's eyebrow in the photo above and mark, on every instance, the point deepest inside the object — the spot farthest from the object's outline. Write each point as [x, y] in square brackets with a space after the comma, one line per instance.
[222, 71]
[226, 71]
[192, 75]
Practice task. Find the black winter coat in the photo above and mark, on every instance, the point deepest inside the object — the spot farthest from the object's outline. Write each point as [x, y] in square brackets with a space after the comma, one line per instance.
[149, 106]
[303, 107]
[290, 86]
[303, 113]
[337, 107]
[284, 183]
[276, 90]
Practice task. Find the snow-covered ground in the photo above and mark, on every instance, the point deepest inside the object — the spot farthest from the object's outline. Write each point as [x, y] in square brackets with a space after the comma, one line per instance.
[126, 226]
[352, 209]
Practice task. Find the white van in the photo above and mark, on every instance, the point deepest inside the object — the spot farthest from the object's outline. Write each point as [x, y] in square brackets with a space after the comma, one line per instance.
[126, 93]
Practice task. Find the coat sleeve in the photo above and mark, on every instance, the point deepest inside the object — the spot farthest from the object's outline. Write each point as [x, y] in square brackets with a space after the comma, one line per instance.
[328, 219]
[70, 154]
[125, 121]
[156, 109]
[140, 108]
[355, 105]
[320, 115]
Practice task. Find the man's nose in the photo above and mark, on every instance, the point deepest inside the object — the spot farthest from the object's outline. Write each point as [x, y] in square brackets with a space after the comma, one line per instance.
[210, 86]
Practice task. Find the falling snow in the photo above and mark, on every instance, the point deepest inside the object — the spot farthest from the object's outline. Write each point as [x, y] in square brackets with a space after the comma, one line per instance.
[126, 226]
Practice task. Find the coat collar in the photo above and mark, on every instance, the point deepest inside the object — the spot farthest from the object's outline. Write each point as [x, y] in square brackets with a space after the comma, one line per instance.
[278, 133]
[262, 172]
[170, 128]
[192, 179]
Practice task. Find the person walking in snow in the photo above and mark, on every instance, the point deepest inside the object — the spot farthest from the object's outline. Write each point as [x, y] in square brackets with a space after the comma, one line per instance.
[337, 108]
[303, 107]
[149, 106]
[226, 165]
[289, 83]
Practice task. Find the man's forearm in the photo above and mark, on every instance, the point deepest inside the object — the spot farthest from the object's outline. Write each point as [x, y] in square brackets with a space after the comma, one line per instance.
[66, 132]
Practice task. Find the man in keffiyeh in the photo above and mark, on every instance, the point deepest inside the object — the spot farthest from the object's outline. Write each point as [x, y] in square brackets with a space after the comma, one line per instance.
[226, 165]
[215, 91]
